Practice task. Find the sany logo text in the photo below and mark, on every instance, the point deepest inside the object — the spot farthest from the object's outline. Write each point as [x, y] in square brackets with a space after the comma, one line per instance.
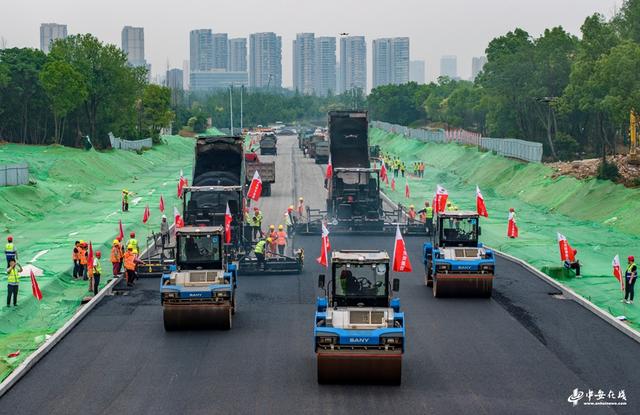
[358, 340]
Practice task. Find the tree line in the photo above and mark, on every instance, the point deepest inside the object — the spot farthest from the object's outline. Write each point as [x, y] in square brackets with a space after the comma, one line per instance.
[572, 94]
[83, 87]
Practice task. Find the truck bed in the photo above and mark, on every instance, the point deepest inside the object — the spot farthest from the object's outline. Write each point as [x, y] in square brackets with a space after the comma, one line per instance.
[266, 170]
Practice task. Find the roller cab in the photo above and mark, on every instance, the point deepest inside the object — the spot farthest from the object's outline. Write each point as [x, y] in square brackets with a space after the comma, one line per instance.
[359, 329]
[199, 291]
[456, 263]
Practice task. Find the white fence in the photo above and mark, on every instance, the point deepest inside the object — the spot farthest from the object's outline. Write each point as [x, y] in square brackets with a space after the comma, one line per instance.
[508, 147]
[14, 174]
[134, 145]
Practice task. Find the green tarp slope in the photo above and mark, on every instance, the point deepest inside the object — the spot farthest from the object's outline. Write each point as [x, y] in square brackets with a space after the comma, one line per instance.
[598, 217]
[76, 196]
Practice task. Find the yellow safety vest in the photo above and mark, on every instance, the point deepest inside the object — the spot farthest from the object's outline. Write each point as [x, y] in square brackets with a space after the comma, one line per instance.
[260, 247]
[630, 268]
[133, 244]
[13, 277]
[429, 212]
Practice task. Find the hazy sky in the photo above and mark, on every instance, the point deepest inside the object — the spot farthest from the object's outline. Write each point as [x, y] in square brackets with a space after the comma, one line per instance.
[436, 27]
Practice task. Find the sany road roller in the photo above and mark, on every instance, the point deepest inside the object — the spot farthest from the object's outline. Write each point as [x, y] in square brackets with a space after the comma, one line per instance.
[456, 264]
[199, 291]
[359, 329]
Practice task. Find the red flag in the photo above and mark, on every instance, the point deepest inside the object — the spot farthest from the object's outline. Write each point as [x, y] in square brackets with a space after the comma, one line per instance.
[616, 271]
[121, 234]
[145, 216]
[481, 208]
[407, 191]
[323, 259]
[393, 185]
[161, 204]
[441, 198]
[255, 189]
[227, 225]
[566, 251]
[90, 259]
[329, 173]
[182, 182]
[177, 219]
[35, 288]
[512, 228]
[401, 261]
[383, 173]
[14, 354]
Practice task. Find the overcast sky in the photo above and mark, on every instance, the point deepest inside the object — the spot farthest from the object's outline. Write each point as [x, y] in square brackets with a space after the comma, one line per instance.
[435, 27]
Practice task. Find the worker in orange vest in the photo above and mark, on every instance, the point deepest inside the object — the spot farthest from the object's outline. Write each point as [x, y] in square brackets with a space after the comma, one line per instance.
[411, 213]
[281, 239]
[300, 208]
[116, 257]
[273, 235]
[76, 260]
[130, 261]
[83, 258]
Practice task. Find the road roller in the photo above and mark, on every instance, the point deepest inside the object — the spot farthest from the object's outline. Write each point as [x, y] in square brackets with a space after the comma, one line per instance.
[199, 290]
[456, 263]
[359, 329]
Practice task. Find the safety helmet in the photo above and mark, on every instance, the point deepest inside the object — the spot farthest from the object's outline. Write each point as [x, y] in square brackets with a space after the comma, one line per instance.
[98, 254]
[631, 258]
[411, 207]
[512, 210]
[448, 203]
[269, 240]
[164, 216]
[10, 238]
[132, 234]
[116, 242]
[301, 199]
[124, 191]
[272, 226]
[575, 251]
[82, 242]
[280, 227]
[255, 209]
[290, 207]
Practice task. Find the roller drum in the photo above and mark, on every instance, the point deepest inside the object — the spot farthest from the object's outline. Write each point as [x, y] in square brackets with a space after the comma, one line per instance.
[462, 286]
[196, 317]
[355, 367]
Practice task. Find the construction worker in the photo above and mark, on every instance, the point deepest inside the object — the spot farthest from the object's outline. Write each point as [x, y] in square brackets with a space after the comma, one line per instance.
[122, 251]
[411, 213]
[10, 250]
[125, 200]
[402, 168]
[256, 224]
[259, 252]
[83, 259]
[451, 207]
[116, 257]
[13, 282]
[573, 264]
[273, 247]
[76, 260]
[133, 243]
[289, 219]
[300, 208]
[164, 231]
[130, 261]
[281, 240]
[94, 281]
[426, 216]
[630, 277]
[421, 169]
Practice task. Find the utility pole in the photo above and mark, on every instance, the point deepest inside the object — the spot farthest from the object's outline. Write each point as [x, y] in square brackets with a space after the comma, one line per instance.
[241, 109]
[231, 107]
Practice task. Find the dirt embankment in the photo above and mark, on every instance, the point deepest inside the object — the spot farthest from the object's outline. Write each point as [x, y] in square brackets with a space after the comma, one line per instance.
[588, 168]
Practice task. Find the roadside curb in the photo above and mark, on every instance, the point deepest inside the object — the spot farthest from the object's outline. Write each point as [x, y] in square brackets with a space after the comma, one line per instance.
[566, 291]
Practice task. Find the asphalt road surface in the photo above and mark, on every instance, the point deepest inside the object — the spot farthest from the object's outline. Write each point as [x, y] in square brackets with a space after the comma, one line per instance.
[523, 351]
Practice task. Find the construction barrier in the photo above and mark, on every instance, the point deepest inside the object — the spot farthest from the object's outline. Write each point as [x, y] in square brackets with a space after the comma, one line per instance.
[14, 174]
[511, 147]
[133, 145]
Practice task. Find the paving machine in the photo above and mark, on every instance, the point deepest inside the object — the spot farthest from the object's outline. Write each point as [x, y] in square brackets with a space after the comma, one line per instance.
[359, 329]
[199, 291]
[456, 264]
[354, 203]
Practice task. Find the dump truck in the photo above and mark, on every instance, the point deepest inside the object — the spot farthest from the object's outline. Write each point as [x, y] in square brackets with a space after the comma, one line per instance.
[359, 328]
[311, 144]
[269, 144]
[322, 152]
[266, 170]
[353, 201]
[199, 290]
[456, 263]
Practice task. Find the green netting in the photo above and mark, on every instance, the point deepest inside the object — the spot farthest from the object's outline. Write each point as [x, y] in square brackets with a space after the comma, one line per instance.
[212, 131]
[76, 196]
[599, 218]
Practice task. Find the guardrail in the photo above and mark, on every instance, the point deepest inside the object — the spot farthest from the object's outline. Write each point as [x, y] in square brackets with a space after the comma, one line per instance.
[509, 147]
[14, 174]
[134, 145]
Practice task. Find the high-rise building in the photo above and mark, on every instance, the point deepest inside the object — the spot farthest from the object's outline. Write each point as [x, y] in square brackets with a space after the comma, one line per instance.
[238, 55]
[390, 61]
[449, 66]
[175, 79]
[220, 43]
[417, 72]
[185, 75]
[353, 63]
[50, 32]
[304, 63]
[325, 50]
[133, 45]
[201, 50]
[265, 60]
[477, 63]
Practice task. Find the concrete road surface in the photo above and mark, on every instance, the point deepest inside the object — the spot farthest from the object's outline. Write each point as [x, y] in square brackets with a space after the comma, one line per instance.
[522, 352]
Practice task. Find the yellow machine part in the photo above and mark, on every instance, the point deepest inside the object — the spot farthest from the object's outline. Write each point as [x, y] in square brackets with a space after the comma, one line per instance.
[196, 317]
[358, 366]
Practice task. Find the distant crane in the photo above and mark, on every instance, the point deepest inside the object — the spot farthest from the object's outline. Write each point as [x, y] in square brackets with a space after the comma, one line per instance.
[633, 136]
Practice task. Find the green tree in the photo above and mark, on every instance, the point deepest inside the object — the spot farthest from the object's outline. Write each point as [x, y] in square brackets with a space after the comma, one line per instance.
[156, 109]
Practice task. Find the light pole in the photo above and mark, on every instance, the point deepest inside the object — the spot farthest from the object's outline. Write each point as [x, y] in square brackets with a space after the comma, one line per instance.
[231, 108]
[241, 109]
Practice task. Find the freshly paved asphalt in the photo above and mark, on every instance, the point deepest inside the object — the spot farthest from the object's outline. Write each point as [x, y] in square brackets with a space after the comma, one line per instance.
[523, 351]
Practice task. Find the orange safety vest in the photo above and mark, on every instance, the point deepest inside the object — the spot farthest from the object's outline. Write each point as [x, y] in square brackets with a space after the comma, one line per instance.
[116, 254]
[282, 238]
[412, 214]
[130, 261]
[423, 216]
[300, 208]
[274, 236]
[82, 256]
